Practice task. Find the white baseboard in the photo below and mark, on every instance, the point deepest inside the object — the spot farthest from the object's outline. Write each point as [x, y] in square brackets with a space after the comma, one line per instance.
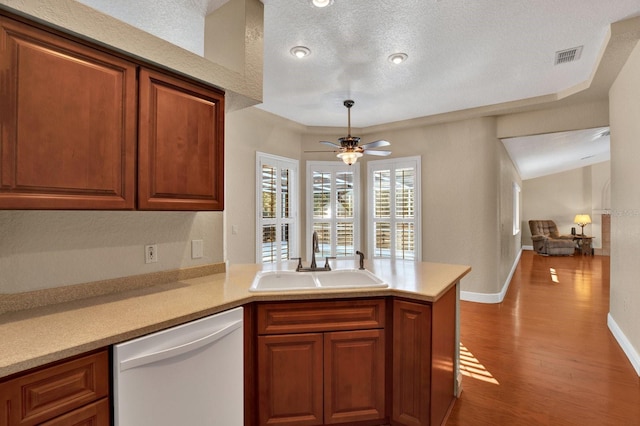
[527, 248]
[624, 343]
[471, 296]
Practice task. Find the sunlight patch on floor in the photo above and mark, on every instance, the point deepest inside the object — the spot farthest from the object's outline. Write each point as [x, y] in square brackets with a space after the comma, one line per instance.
[554, 275]
[471, 367]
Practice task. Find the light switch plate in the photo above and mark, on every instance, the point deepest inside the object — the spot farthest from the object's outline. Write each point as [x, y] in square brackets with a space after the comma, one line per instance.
[151, 253]
[196, 249]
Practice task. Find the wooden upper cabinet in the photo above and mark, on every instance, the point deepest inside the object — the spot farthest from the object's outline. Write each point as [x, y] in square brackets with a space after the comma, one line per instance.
[76, 122]
[67, 123]
[180, 145]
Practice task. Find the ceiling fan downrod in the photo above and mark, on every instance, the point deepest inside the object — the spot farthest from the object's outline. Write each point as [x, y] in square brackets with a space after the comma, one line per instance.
[349, 103]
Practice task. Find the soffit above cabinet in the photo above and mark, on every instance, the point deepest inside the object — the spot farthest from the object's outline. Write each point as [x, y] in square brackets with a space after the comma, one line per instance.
[243, 87]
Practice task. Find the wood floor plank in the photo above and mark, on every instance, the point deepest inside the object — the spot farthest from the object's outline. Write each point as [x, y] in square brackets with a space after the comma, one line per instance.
[548, 347]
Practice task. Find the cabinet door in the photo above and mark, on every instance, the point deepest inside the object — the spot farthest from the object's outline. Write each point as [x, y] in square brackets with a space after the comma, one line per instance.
[443, 355]
[290, 380]
[354, 376]
[5, 403]
[67, 123]
[411, 363]
[180, 145]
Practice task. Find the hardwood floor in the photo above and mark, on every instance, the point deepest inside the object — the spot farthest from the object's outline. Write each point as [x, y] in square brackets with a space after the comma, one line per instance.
[545, 355]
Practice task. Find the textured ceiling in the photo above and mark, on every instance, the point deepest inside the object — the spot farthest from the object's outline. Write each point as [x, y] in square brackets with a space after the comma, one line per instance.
[462, 54]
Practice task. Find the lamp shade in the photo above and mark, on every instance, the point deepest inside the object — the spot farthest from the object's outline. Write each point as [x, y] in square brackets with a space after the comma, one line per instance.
[582, 219]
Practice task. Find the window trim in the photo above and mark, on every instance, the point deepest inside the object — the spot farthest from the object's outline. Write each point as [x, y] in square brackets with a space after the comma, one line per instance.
[516, 208]
[333, 167]
[293, 165]
[393, 164]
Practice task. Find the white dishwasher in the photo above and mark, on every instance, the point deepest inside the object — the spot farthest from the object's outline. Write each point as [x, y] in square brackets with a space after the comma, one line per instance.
[191, 375]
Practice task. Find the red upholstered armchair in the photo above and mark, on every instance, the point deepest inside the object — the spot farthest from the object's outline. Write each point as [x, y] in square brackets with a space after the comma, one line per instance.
[548, 241]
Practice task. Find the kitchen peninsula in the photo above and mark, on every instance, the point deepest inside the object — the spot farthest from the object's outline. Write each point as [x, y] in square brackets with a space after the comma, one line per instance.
[39, 336]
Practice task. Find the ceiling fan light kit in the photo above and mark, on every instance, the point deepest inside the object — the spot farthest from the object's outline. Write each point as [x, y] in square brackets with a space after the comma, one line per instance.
[349, 151]
[349, 157]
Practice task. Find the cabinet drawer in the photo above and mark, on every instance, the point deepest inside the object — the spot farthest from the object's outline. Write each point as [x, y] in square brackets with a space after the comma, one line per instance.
[300, 317]
[52, 391]
[95, 414]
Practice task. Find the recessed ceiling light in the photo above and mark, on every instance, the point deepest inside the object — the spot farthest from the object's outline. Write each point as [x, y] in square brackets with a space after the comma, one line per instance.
[321, 3]
[397, 58]
[300, 51]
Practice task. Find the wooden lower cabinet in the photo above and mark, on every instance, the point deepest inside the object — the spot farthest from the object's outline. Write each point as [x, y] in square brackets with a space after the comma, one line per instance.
[329, 375]
[359, 362]
[321, 378]
[354, 376]
[72, 392]
[290, 384]
[411, 362]
[424, 352]
[95, 414]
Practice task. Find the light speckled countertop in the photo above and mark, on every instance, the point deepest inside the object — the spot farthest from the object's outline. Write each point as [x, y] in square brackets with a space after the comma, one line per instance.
[34, 337]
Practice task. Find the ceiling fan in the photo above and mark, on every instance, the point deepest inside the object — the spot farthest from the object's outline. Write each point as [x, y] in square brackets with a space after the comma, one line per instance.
[348, 150]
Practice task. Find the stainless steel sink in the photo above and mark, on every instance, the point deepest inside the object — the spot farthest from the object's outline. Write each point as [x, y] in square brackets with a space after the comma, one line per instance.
[290, 280]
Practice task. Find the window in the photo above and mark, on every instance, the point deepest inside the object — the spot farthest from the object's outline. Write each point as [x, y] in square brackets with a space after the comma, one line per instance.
[516, 208]
[333, 208]
[394, 208]
[277, 201]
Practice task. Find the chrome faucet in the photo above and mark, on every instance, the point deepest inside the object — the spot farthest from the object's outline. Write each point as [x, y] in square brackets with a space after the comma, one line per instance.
[315, 248]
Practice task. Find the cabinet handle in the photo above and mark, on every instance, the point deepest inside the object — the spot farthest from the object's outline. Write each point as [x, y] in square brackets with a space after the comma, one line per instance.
[180, 349]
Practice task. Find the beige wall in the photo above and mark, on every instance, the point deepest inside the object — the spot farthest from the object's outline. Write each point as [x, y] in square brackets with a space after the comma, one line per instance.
[247, 132]
[43, 249]
[559, 197]
[466, 184]
[625, 201]
[555, 119]
[510, 244]
[466, 178]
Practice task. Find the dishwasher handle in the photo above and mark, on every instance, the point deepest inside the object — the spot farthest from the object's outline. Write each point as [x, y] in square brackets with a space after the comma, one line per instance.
[128, 364]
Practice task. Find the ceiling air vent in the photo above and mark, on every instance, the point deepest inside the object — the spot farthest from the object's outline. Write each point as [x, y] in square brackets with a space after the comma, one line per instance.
[568, 55]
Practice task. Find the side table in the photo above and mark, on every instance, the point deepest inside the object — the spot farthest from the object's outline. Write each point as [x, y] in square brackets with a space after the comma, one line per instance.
[584, 243]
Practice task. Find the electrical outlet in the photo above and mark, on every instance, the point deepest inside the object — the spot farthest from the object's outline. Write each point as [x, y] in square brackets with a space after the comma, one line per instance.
[196, 249]
[151, 253]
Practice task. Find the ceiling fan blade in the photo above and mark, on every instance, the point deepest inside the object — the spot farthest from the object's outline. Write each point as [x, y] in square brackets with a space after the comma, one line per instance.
[375, 144]
[330, 144]
[379, 153]
[321, 151]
